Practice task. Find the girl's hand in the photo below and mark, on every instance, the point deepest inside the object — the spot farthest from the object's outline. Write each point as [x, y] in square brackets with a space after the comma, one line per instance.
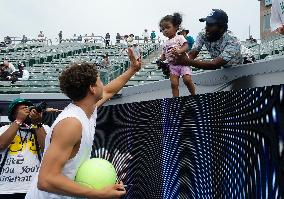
[182, 59]
[176, 51]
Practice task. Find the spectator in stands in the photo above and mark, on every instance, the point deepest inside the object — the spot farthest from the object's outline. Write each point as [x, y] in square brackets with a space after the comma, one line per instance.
[92, 39]
[124, 45]
[75, 38]
[9, 67]
[80, 38]
[118, 38]
[253, 39]
[8, 40]
[223, 46]
[4, 75]
[153, 36]
[9, 73]
[60, 37]
[41, 36]
[124, 42]
[21, 73]
[81, 83]
[130, 40]
[3, 44]
[21, 145]
[145, 36]
[107, 39]
[159, 40]
[277, 16]
[189, 39]
[24, 39]
[86, 38]
[105, 63]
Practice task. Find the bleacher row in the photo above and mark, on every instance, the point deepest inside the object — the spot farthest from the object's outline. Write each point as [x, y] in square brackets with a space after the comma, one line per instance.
[45, 64]
[268, 49]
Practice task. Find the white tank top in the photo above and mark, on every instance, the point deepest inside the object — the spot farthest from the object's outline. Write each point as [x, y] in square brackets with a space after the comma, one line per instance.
[83, 154]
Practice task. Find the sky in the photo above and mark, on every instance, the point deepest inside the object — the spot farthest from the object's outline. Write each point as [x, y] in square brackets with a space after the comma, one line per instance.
[28, 17]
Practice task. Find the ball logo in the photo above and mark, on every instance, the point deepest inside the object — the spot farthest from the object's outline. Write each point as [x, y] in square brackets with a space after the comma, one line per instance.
[96, 173]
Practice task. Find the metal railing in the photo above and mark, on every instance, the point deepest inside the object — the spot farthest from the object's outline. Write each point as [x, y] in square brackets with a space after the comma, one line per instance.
[269, 47]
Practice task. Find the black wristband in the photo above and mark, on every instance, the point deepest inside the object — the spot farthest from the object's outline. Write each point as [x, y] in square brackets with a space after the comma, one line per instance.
[39, 125]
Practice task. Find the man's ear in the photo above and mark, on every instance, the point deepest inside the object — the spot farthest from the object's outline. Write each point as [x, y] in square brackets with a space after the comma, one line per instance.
[92, 89]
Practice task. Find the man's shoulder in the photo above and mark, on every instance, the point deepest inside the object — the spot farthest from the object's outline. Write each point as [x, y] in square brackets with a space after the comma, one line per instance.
[71, 121]
[201, 37]
[70, 126]
[229, 35]
[70, 113]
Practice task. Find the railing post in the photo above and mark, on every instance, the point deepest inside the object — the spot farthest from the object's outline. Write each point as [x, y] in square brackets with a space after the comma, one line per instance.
[273, 43]
[259, 51]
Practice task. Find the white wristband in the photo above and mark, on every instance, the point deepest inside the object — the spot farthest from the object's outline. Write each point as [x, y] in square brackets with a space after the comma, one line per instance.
[18, 122]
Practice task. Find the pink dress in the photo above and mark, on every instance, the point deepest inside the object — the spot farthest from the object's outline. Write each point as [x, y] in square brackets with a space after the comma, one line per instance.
[175, 42]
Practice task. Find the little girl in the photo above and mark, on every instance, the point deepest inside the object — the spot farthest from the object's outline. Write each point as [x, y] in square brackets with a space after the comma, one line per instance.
[176, 45]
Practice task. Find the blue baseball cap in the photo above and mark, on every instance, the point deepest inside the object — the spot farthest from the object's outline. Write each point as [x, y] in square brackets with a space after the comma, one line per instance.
[217, 16]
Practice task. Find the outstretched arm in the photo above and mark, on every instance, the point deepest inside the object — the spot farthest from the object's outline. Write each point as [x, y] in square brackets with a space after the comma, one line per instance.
[205, 65]
[208, 65]
[193, 54]
[183, 48]
[117, 84]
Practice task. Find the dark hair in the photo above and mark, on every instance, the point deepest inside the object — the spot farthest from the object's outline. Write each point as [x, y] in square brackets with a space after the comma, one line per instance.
[175, 19]
[21, 65]
[76, 80]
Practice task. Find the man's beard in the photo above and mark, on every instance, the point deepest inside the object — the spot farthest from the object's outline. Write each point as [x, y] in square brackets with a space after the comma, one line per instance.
[214, 37]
